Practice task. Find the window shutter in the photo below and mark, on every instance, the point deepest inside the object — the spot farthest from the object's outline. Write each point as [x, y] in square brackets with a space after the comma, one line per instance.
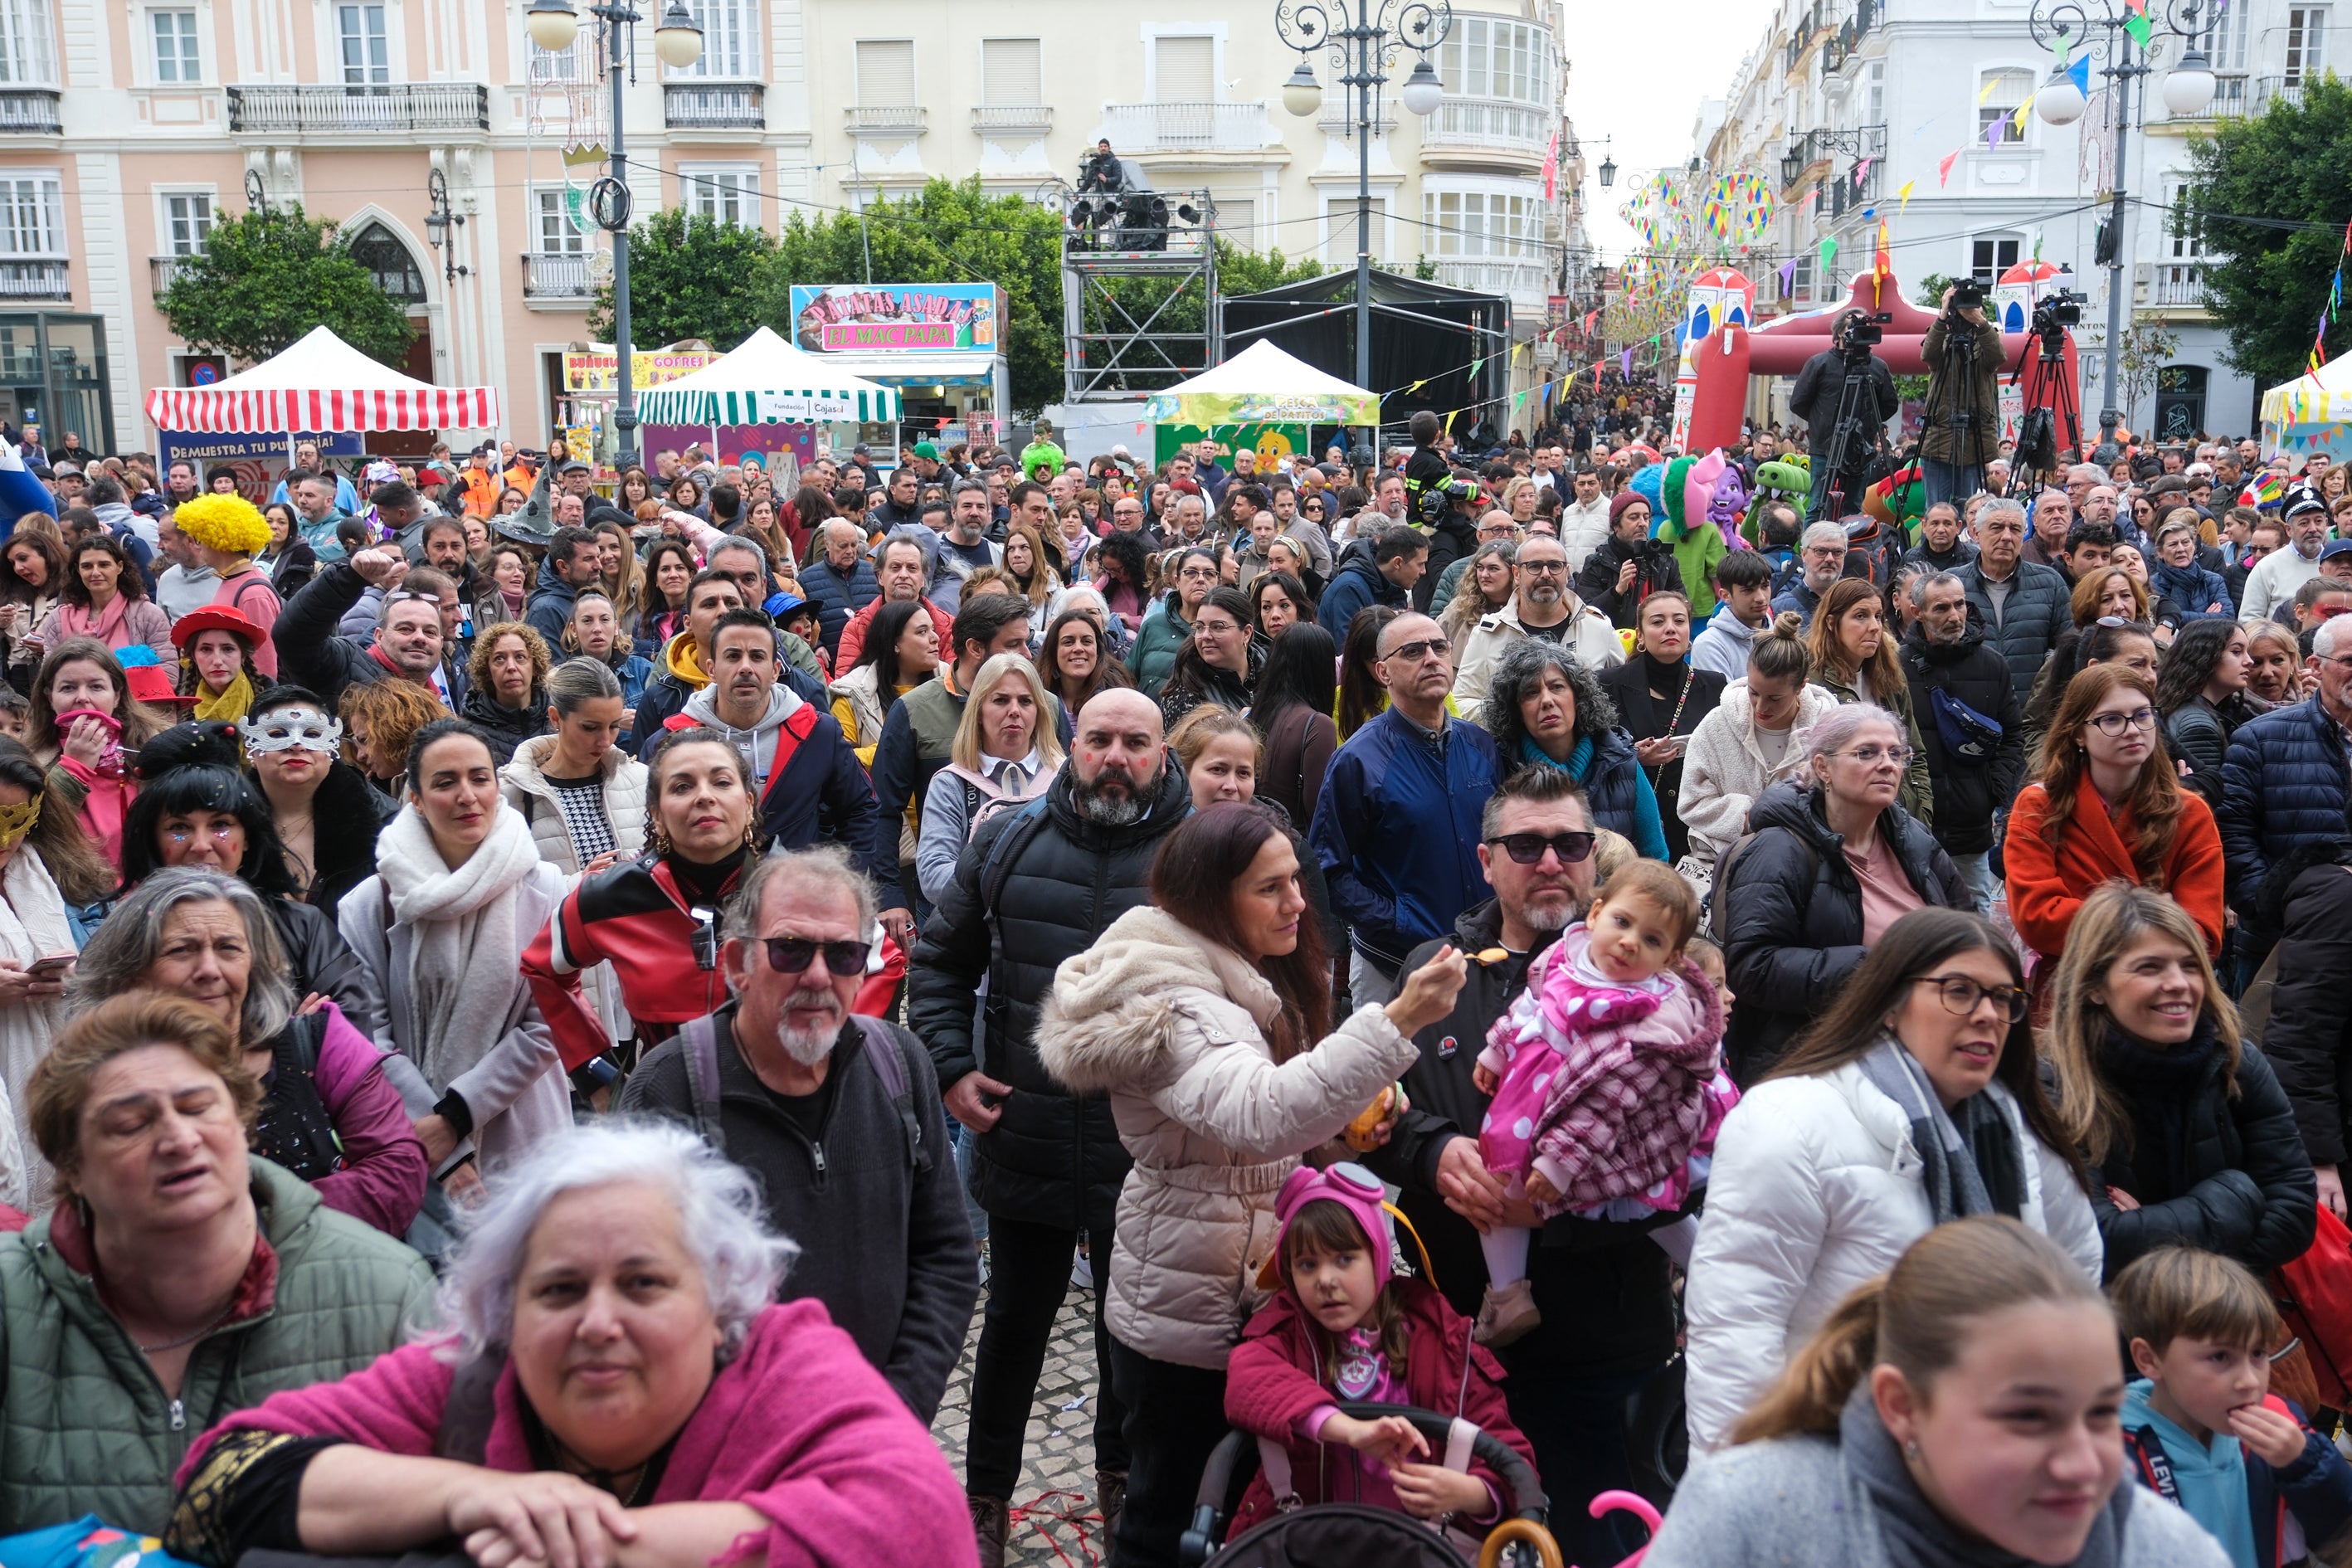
[1012, 73]
[886, 73]
[1186, 70]
[1237, 221]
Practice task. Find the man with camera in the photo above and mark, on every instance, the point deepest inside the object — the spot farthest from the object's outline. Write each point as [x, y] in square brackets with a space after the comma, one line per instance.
[1821, 394]
[1963, 420]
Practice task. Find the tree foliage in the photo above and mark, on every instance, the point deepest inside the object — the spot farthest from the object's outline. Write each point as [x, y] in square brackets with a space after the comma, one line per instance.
[689, 277]
[2267, 285]
[264, 281]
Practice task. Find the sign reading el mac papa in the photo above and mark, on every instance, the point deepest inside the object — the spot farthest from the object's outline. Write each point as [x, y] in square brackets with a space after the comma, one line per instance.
[899, 318]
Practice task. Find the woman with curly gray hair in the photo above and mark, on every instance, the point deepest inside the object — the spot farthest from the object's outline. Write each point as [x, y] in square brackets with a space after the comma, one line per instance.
[1546, 710]
[617, 1383]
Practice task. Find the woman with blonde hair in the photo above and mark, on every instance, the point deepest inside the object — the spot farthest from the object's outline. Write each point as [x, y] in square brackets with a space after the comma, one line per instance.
[625, 581]
[2274, 672]
[1029, 562]
[1855, 660]
[2189, 1137]
[1005, 753]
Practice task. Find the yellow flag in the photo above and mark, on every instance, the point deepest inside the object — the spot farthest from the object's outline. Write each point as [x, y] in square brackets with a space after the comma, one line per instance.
[2023, 109]
[1903, 190]
[1986, 91]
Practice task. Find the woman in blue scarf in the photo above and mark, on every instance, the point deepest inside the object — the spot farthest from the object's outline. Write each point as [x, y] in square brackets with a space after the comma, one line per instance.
[1544, 708]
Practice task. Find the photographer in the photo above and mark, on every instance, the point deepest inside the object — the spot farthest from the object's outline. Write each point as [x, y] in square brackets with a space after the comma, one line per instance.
[1963, 417]
[1815, 400]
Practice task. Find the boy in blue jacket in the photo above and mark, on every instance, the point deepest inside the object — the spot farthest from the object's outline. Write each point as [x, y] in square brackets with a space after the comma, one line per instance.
[2200, 1426]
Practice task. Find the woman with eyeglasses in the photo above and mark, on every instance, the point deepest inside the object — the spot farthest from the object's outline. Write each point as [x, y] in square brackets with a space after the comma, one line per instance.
[2106, 805]
[1855, 660]
[1219, 663]
[1915, 1099]
[1829, 864]
[2190, 1139]
[1194, 573]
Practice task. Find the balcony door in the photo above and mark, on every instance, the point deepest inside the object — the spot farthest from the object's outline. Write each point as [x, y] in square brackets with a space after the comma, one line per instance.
[1184, 78]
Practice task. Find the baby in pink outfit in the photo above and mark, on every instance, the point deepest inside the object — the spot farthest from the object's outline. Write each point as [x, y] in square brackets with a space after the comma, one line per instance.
[1607, 1080]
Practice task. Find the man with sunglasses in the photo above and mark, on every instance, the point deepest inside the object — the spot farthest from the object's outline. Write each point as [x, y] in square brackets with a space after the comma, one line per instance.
[849, 1151]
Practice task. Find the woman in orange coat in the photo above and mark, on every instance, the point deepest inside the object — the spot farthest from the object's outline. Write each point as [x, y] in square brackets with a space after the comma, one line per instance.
[2107, 806]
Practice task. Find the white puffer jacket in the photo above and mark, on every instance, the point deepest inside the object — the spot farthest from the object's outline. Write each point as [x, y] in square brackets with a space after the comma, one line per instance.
[524, 784]
[1724, 768]
[1169, 1025]
[1816, 1188]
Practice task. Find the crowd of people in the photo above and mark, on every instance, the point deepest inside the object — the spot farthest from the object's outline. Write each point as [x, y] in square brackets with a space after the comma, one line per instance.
[538, 1017]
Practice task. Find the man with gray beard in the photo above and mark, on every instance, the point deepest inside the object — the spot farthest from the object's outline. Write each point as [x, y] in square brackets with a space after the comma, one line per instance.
[1035, 887]
[849, 1147]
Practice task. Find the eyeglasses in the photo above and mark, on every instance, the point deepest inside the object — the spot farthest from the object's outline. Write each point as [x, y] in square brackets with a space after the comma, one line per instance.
[792, 954]
[1527, 848]
[1871, 756]
[1414, 652]
[2116, 723]
[1961, 994]
[1543, 568]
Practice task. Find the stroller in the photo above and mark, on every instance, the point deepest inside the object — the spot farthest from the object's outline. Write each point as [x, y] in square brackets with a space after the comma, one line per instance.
[1346, 1535]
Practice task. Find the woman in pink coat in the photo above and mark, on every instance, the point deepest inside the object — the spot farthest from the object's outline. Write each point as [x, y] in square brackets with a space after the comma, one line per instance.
[618, 1385]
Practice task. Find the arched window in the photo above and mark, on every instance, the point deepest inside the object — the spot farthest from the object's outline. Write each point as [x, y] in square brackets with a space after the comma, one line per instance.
[379, 250]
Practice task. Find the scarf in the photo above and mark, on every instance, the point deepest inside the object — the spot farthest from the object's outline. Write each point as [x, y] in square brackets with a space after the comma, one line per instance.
[1580, 760]
[468, 955]
[1971, 1154]
[235, 700]
[75, 621]
[1916, 1536]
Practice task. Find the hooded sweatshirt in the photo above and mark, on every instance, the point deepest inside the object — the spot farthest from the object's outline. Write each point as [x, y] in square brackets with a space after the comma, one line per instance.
[1723, 644]
[760, 740]
[2212, 1478]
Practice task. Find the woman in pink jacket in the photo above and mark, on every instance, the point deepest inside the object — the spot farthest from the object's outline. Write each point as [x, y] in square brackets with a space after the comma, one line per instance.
[617, 1386]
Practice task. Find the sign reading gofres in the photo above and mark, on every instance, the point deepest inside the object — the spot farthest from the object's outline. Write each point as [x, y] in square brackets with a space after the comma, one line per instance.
[898, 318]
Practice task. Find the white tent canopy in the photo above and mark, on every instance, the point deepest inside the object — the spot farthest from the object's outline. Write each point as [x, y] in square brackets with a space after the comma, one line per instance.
[2323, 397]
[318, 385]
[767, 381]
[1263, 384]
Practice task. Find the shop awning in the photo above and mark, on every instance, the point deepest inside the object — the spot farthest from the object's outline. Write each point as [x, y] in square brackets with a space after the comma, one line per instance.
[767, 381]
[919, 370]
[322, 384]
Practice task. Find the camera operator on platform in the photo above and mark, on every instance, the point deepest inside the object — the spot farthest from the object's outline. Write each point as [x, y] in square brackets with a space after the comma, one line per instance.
[1962, 431]
[1816, 400]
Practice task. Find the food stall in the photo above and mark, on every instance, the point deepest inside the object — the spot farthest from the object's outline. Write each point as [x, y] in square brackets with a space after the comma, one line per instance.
[940, 345]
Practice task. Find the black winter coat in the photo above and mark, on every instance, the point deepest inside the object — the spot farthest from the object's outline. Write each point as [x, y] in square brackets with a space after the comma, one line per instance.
[1646, 718]
[1054, 1158]
[2226, 1174]
[1603, 1288]
[2309, 1039]
[346, 816]
[1655, 569]
[1793, 916]
[2034, 617]
[1813, 402]
[2199, 733]
[1967, 792]
[1455, 538]
[505, 728]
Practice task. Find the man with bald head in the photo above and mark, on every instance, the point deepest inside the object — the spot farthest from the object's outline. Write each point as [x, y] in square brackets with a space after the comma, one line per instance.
[1396, 828]
[1045, 1164]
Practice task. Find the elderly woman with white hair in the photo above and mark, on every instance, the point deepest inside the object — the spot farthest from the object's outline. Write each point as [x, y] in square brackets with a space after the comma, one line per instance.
[617, 1386]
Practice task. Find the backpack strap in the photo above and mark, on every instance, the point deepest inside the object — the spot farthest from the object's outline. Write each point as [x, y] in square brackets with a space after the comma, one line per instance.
[997, 868]
[890, 1066]
[699, 1041]
[464, 1434]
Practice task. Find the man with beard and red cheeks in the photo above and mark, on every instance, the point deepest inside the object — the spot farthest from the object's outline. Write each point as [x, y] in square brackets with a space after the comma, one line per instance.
[1045, 1164]
[848, 1146]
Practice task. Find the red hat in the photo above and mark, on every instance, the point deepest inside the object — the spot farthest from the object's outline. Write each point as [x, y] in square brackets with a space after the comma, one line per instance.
[215, 618]
[152, 684]
[1623, 499]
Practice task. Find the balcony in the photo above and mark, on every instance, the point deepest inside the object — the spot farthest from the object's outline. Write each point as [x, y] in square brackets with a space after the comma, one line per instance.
[1846, 42]
[1005, 120]
[1489, 131]
[2170, 285]
[886, 119]
[721, 106]
[1338, 116]
[359, 111]
[558, 276]
[1148, 128]
[34, 281]
[30, 111]
[162, 271]
[1520, 280]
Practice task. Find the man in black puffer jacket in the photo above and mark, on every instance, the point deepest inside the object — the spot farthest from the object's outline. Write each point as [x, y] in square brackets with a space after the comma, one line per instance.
[1793, 911]
[2307, 1028]
[1035, 887]
[1944, 656]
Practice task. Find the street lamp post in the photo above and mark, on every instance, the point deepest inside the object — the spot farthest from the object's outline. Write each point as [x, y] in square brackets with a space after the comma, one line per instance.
[1364, 38]
[553, 25]
[2124, 55]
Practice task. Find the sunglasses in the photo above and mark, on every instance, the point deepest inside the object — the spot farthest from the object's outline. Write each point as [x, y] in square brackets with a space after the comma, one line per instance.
[792, 954]
[1414, 652]
[1527, 848]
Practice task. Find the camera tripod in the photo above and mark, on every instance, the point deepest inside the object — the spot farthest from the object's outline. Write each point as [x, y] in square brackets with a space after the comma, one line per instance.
[1833, 487]
[2049, 429]
[1959, 412]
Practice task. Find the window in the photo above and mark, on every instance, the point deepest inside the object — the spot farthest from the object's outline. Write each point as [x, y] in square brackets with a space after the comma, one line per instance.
[1237, 221]
[379, 250]
[2224, 39]
[26, 58]
[556, 234]
[730, 32]
[886, 73]
[722, 193]
[366, 57]
[187, 222]
[1184, 70]
[32, 215]
[2184, 235]
[564, 65]
[1801, 279]
[1012, 73]
[1989, 259]
[1490, 57]
[2008, 90]
[1340, 223]
[175, 46]
[2306, 39]
[1483, 223]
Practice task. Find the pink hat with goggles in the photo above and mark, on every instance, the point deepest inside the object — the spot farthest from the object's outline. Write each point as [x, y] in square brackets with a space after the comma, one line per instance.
[1358, 1192]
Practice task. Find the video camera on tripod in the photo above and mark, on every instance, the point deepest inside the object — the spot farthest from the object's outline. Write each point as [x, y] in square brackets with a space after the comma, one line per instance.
[2050, 425]
[1853, 435]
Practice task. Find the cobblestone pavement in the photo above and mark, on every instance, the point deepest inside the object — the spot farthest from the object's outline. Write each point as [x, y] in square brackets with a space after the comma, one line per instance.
[1060, 1525]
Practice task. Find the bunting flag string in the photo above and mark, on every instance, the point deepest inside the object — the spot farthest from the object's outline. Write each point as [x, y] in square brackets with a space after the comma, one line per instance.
[1903, 190]
[1944, 169]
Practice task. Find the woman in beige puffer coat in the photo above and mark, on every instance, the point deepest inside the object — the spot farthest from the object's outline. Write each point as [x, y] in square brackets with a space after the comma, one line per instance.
[1199, 1014]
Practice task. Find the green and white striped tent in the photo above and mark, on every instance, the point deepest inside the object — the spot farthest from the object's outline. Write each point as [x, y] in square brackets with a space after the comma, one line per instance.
[767, 381]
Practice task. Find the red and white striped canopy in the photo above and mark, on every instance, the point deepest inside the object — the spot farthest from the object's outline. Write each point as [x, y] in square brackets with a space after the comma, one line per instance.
[322, 384]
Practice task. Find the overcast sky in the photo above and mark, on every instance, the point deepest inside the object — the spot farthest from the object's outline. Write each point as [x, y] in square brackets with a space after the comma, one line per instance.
[1634, 89]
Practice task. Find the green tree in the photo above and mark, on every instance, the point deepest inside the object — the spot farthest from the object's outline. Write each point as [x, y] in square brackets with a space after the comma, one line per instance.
[2267, 283]
[689, 277]
[264, 281]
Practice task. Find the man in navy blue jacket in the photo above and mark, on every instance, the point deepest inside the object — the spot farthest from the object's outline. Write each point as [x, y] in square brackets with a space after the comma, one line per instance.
[2284, 783]
[1397, 826]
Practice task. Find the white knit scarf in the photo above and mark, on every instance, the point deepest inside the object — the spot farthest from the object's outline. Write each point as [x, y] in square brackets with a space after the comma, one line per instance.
[468, 955]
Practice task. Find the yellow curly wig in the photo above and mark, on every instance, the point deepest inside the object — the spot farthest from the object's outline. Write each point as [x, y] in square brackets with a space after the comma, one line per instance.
[226, 522]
